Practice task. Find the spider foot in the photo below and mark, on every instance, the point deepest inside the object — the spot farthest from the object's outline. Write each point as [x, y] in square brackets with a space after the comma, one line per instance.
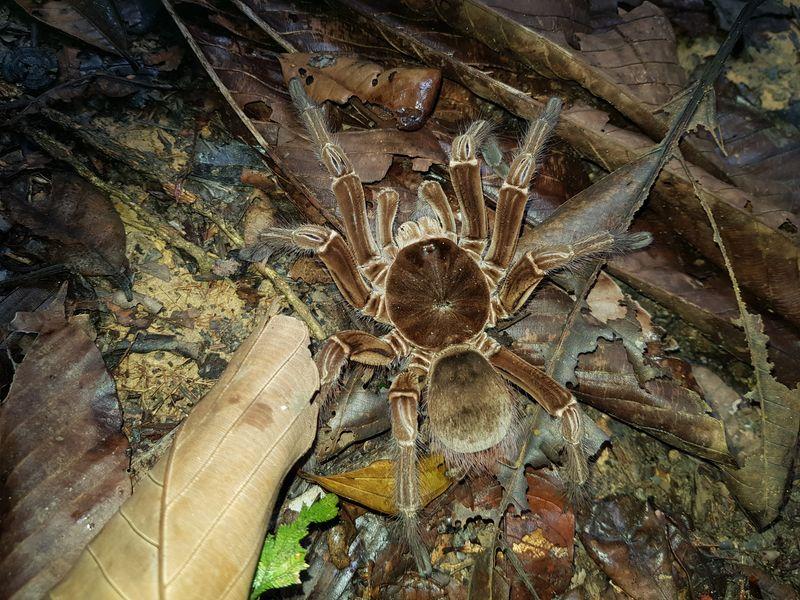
[576, 464]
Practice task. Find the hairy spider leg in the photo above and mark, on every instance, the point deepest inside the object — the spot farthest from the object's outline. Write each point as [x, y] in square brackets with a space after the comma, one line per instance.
[530, 269]
[386, 210]
[404, 396]
[432, 193]
[346, 185]
[557, 400]
[513, 194]
[337, 256]
[465, 175]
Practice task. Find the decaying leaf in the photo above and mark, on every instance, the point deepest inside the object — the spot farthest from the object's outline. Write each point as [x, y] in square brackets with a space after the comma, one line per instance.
[542, 539]
[607, 378]
[85, 231]
[360, 414]
[63, 456]
[760, 484]
[95, 22]
[628, 539]
[197, 521]
[408, 94]
[373, 486]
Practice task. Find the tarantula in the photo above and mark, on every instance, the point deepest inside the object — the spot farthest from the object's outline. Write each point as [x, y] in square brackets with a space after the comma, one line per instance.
[438, 287]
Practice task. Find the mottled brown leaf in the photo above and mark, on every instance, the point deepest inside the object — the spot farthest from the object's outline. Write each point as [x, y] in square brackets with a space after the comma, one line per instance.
[63, 457]
[541, 537]
[628, 539]
[408, 94]
[607, 378]
[760, 485]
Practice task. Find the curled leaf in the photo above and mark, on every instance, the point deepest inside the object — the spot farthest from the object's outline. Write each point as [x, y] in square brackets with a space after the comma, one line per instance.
[408, 94]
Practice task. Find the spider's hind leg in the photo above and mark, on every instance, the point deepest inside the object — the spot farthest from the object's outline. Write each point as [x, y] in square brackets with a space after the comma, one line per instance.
[404, 396]
[557, 400]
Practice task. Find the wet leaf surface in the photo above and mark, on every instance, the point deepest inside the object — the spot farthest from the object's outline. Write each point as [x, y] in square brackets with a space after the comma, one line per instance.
[96, 23]
[628, 539]
[64, 458]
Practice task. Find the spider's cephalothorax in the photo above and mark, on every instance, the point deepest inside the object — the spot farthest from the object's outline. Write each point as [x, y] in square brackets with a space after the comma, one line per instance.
[438, 286]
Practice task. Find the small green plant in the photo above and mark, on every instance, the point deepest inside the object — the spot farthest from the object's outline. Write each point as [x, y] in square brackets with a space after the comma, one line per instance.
[282, 557]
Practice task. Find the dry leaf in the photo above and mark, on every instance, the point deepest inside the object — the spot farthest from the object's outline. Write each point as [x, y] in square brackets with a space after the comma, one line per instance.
[85, 231]
[63, 458]
[609, 375]
[760, 485]
[373, 486]
[408, 94]
[197, 521]
[628, 539]
[96, 22]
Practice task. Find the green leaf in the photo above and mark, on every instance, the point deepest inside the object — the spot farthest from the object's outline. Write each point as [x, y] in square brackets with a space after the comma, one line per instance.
[283, 558]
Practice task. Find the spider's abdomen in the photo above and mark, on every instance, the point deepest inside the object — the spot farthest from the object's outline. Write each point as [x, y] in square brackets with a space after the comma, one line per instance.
[436, 294]
[469, 406]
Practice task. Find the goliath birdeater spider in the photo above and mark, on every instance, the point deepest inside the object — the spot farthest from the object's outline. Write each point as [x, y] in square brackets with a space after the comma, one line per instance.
[439, 287]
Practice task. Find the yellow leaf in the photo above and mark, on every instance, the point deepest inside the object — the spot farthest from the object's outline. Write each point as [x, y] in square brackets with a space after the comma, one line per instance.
[373, 486]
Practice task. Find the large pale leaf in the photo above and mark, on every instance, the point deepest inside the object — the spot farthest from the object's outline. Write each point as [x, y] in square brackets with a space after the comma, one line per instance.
[197, 521]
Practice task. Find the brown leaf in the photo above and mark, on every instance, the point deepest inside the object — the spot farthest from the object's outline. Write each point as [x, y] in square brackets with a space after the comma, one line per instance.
[86, 232]
[197, 520]
[360, 415]
[607, 377]
[761, 156]
[373, 486]
[630, 64]
[95, 22]
[760, 485]
[694, 289]
[628, 539]
[408, 94]
[64, 459]
[541, 538]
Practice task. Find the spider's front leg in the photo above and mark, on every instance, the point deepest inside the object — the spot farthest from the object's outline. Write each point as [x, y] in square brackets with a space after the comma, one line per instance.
[555, 399]
[346, 184]
[531, 268]
[337, 257]
[465, 175]
[404, 397]
[355, 345]
[513, 195]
